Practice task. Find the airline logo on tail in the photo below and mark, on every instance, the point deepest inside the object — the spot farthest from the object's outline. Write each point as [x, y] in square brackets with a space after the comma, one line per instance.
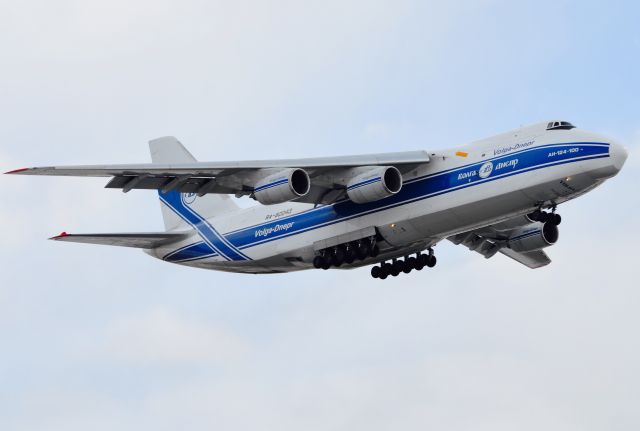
[189, 198]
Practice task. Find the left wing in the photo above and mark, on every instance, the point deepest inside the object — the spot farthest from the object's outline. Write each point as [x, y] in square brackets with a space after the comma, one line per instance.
[487, 242]
[325, 178]
[532, 259]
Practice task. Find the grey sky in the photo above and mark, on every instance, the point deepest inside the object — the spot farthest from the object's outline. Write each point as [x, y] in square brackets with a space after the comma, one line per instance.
[103, 338]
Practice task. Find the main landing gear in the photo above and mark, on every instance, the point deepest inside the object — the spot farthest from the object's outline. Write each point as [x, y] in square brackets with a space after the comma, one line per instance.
[407, 265]
[546, 217]
[346, 253]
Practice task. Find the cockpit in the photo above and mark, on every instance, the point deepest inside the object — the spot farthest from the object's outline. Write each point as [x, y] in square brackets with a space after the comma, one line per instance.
[560, 125]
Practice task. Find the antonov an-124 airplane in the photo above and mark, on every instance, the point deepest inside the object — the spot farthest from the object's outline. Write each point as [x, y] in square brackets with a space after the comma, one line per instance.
[388, 210]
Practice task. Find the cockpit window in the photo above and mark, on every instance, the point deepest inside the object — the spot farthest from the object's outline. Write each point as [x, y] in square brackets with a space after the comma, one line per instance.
[560, 125]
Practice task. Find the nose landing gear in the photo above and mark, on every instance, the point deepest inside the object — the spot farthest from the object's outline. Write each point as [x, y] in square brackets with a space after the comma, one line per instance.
[546, 217]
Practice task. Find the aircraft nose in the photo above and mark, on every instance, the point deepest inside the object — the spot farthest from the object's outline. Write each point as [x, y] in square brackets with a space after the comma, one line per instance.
[618, 154]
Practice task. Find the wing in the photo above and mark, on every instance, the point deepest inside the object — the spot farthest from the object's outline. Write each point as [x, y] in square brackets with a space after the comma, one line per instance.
[532, 259]
[136, 240]
[327, 175]
[488, 241]
[216, 169]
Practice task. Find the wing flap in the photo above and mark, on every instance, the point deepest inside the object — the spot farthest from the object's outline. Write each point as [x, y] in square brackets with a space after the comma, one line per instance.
[182, 184]
[135, 240]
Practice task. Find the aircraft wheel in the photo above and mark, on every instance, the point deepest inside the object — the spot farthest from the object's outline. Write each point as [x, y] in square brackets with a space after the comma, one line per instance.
[535, 216]
[364, 249]
[431, 261]
[375, 271]
[556, 219]
[396, 268]
[385, 270]
[350, 255]
[318, 262]
[337, 257]
[326, 264]
[418, 264]
[407, 266]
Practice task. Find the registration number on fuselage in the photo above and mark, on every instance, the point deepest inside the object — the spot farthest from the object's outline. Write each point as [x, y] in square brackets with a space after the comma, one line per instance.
[278, 214]
[563, 152]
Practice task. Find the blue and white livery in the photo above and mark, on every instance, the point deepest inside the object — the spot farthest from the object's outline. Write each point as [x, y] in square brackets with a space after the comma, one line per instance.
[388, 210]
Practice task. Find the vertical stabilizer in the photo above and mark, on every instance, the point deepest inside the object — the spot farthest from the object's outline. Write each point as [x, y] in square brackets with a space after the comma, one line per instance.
[168, 150]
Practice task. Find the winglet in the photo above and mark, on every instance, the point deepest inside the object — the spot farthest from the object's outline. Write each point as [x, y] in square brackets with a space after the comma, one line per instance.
[16, 171]
[62, 235]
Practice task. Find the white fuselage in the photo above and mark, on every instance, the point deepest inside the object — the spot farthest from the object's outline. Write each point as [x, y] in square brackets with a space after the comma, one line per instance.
[460, 189]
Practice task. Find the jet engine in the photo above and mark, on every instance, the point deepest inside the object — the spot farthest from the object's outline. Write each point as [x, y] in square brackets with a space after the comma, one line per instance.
[282, 186]
[374, 184]
[534, 236]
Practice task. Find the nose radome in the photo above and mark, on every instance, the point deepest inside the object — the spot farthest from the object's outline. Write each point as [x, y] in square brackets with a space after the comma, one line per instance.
[618, 154]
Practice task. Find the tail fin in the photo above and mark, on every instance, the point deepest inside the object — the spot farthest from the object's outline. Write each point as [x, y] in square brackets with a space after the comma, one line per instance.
[169, 150]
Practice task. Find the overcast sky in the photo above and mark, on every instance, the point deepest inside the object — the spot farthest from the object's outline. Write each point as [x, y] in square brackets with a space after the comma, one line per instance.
[106, 338]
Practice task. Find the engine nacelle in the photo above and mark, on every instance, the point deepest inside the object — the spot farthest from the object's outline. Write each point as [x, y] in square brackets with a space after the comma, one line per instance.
[513, 223]
[282, 186]
[374, 184]
[534, 236]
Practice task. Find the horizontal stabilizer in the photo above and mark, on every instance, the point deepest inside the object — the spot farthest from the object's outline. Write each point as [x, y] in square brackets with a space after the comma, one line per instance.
[136, 240]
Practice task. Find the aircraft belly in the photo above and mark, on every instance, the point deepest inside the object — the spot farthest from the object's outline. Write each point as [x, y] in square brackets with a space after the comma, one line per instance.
[559, 184]
[492, 202]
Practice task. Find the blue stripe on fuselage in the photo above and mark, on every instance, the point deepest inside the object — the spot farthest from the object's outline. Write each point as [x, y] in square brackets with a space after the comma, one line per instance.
[211, 237]
[419, 188]
[197, 250]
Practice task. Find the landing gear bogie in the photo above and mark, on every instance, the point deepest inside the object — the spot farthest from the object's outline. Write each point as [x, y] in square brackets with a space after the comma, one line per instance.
[404, 266]
[346, 253]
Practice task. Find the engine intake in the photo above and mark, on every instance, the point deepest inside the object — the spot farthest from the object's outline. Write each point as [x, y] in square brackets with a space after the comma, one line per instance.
[374, 184]
[282, 186]
[534, 236]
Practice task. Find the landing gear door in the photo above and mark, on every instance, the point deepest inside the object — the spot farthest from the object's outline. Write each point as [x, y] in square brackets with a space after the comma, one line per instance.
[400, 234]
[367, 232]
